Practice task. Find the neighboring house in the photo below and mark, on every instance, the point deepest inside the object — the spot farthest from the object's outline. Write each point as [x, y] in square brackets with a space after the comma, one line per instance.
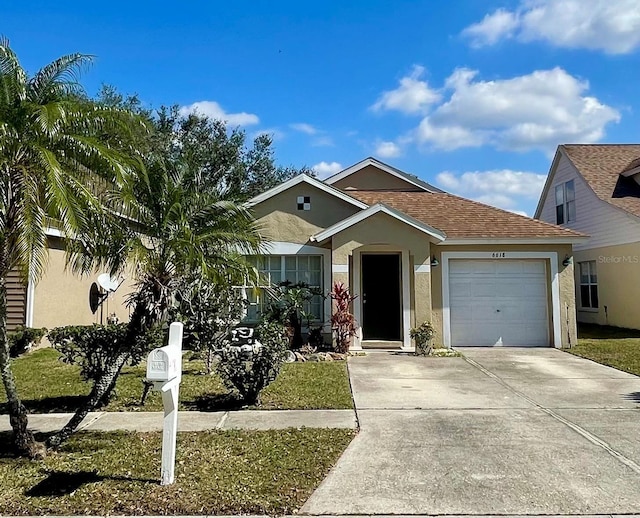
[595, 189]
[60, 298]
[413, 253]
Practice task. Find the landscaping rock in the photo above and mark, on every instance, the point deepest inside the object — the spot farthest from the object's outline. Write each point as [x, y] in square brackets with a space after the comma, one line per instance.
[320, 357]
[338, 356]
[291, 357]
[299, 357]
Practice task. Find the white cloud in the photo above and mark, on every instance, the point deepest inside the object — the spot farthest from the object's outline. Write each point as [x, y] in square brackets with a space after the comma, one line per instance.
[387, 149]
[534, 111]
[213, 110]
[326, 169]
[413, 95]
[610, 26]
[503, 188]
[492, 28]
[303, 127]
[322, 141]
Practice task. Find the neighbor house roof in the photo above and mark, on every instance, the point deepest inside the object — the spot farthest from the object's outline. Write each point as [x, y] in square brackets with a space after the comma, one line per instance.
[602, 166]
[412, 179]
[437, 234]
[463, 219]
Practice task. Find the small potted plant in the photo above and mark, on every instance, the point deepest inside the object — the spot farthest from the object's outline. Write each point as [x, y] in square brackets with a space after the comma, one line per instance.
[423, 335]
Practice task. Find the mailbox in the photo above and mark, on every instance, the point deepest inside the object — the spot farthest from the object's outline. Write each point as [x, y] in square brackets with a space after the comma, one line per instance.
[164, 364]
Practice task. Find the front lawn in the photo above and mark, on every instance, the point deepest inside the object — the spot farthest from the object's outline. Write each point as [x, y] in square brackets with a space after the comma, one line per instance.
[48, 385]
[612, 346]
[234, 472]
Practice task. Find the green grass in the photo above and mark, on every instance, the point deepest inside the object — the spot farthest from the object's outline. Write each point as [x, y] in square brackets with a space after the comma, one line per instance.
[234, 472]
[48, 385]
[612, 346]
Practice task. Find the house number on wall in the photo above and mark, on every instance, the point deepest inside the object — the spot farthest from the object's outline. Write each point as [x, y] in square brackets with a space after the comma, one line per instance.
[498, 255]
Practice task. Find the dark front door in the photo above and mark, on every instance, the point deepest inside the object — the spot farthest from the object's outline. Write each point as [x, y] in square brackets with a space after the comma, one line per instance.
[381, 306]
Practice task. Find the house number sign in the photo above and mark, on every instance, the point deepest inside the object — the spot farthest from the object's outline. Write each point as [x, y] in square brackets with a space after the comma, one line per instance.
[498, 255]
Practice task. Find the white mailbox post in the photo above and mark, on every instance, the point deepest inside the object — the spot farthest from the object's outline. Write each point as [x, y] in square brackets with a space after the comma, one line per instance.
[164, 369]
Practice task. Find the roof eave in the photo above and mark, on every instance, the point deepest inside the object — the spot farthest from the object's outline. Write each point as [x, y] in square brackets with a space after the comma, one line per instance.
[292, 182]
[329, 232]
[555, 240]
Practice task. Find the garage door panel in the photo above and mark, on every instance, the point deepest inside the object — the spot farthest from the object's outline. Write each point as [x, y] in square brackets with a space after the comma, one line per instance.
[499, 302]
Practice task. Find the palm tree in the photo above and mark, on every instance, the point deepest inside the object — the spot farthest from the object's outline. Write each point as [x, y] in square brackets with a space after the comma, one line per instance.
[175, 226]
[57, 156]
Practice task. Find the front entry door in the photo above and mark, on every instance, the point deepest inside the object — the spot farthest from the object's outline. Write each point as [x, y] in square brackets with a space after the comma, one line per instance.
[381, 303]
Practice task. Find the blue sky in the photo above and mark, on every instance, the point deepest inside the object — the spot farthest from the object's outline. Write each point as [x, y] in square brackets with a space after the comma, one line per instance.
[471, 96]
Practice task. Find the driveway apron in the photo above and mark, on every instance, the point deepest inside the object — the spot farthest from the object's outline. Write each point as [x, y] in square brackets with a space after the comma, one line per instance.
[502, 431]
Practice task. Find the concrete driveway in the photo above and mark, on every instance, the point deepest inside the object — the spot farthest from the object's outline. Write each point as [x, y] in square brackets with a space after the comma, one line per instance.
[502, 431]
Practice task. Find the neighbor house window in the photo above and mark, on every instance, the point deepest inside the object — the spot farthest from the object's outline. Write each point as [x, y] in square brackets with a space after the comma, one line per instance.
[588, 285]
[276, 269]
[565, 202]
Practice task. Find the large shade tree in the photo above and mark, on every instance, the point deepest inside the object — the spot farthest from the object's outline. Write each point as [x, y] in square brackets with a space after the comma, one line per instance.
[59, 154]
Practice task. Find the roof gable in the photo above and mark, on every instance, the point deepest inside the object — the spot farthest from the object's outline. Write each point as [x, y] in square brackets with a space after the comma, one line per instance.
[607, 169]
[311, 181]
[400, 180]
[438, 235]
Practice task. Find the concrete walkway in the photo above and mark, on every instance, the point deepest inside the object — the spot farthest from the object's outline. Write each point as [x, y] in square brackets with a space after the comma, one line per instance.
[197, 421]
[500, 432]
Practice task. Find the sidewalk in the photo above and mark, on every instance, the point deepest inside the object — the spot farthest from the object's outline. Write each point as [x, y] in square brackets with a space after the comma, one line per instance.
[196, 421]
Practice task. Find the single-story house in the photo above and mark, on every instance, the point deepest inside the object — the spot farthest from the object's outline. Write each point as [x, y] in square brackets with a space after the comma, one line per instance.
[595, 189]
[412, 253]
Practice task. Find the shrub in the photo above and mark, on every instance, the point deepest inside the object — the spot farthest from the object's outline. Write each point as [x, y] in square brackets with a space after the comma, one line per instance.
[248, 367]
[343, 323]
[423, 334]
[24, 338]
[94, 348]
[287, 307]
[209, 312]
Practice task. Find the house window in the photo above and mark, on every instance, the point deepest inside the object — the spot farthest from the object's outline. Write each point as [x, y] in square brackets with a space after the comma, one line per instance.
[565, 203]
[275, 269]
[588, 285]
[304, 202]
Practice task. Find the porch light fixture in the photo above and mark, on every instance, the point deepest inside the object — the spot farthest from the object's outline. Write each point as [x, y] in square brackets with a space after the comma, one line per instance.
[434, 261]
[567, 261]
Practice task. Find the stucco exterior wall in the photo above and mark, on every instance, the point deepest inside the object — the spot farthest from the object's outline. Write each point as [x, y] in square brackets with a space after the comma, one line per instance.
[280, 220]
[61, 297]
[370, 178]
[618, 269]
[565, 277]
[382, 233]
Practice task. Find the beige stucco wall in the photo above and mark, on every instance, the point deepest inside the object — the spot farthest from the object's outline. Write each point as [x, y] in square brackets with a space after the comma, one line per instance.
[370, 178]
[382, 233]
[280, 220]
[566, 285]
[61, 297]
[618, 269]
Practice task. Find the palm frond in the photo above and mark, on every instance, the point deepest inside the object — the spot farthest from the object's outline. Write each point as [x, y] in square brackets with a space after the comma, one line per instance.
[58, 79]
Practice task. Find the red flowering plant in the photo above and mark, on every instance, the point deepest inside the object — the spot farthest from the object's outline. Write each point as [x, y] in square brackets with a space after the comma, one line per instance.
[343, 323]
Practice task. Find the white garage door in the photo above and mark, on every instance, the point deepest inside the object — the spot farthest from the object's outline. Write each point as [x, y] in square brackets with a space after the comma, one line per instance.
[501, 302]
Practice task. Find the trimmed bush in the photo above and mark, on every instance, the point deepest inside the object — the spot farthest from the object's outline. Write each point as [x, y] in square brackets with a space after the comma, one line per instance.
[22, 339]
[250, 367]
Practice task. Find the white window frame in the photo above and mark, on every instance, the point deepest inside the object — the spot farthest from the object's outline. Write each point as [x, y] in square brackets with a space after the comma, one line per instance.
[282, 248]
[565, 204]
[591, 268]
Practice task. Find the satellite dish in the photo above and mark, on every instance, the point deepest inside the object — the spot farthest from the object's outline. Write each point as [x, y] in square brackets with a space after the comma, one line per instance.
[107, 283]
[95, 298]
